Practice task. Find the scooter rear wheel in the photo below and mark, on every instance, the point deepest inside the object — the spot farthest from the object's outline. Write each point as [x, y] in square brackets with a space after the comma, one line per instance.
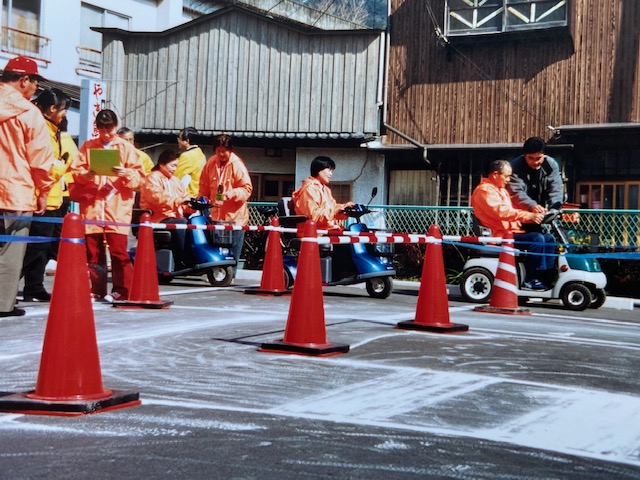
[220, 276]
[380, 287]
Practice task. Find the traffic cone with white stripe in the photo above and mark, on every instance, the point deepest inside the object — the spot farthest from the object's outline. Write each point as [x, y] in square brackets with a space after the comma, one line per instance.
[504, 297]
[305, 332]
[432, 310]
[272, 280]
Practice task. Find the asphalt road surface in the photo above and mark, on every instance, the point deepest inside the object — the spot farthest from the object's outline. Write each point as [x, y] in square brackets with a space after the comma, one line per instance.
[554, 395]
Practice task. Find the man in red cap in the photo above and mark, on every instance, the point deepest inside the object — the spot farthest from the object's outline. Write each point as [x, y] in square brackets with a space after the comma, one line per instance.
[26, 158]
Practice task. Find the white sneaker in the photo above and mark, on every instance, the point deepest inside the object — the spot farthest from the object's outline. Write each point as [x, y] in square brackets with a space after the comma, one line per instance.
[113, 297]
[50, 269]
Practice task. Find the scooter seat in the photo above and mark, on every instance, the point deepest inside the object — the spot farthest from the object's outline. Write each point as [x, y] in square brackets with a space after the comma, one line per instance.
[291, 221]
[161, 238]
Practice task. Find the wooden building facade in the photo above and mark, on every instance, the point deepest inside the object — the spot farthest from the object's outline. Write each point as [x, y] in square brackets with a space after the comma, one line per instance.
[243, 73]
[284, 90]
[472, 80]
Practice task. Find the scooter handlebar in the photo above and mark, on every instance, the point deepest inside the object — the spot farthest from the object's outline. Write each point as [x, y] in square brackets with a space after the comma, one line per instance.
[200, 203]
[357, 210]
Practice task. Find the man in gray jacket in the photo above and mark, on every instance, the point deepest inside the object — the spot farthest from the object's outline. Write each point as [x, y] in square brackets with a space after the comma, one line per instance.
[536, 183]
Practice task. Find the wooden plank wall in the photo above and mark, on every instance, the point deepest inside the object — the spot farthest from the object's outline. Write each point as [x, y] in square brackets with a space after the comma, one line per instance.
[506, 91]
[243, 73]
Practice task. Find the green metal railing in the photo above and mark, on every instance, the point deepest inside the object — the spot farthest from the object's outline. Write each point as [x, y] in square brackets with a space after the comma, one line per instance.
[614, 228]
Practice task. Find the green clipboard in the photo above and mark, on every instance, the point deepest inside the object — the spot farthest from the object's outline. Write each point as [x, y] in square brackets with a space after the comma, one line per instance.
[102, 161]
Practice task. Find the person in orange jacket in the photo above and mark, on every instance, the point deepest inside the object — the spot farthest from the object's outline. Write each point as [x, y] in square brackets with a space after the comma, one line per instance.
[26, 159]
[314, 199]
[111, 202]
[165, 196]
[53, 103]
[225, 181]
[492, 206]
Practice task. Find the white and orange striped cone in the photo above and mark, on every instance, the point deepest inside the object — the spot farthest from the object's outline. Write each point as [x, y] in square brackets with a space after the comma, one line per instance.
[504, 297]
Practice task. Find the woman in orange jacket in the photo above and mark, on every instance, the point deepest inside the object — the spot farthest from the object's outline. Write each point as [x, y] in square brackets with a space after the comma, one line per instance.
[226, 182]
[53, 103]
[314, 199]
[111, 203]
[164, 195]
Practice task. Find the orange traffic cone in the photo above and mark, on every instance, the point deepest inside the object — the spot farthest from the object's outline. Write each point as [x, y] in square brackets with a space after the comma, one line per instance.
[144, 291]
[432, 311]
[504, 298]
[69, 381]
[272, 280]
[305, 333]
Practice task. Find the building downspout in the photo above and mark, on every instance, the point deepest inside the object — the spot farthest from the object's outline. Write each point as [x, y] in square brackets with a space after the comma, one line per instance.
[411, 140]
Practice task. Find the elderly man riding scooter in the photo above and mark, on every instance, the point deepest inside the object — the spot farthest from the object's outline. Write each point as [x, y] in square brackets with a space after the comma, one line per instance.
[492, 207]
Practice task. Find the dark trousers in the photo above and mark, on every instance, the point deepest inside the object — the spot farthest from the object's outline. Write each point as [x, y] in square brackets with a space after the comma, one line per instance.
[37, 254]
[542, 247]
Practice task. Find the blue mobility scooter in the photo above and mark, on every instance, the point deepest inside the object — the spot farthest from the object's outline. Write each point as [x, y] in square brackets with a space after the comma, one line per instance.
[206, 252]
[346, 264]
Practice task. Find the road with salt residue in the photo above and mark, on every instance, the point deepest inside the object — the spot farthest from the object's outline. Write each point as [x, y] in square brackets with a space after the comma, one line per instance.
[551, 395]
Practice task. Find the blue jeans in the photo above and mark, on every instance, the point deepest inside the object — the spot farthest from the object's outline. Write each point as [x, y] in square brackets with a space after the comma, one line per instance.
[542, 246]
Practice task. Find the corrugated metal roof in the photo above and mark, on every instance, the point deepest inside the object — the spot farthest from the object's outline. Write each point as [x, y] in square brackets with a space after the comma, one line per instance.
[269, 135]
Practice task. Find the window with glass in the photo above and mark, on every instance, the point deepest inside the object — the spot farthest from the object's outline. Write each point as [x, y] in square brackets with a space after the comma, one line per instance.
[475, 17]
[609, 195]
[21, 29]
[90, 48]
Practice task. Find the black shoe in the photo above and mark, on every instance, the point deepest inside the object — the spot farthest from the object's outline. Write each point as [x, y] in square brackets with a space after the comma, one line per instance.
[37, 297]
[16, 312]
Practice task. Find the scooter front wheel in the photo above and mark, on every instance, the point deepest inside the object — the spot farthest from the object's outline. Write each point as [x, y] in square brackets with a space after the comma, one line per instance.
[220, 276]
[576, 296]
[476, 284]
[380, 287]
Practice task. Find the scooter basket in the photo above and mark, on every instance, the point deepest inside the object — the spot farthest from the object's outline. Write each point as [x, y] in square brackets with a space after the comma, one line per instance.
[222, 237]
[383, 249]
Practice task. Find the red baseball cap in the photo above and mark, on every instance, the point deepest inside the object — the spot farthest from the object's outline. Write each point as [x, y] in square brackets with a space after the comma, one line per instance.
[23, 65]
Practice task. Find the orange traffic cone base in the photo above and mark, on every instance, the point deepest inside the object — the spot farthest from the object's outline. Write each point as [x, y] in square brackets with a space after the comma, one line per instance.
[267, 292]
[22, 403]
[312, 349]
[433, 327]
[158, 304]
[503, 310]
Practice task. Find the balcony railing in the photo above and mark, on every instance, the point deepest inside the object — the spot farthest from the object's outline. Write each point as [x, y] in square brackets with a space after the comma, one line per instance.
[28, 44]
[89, 60]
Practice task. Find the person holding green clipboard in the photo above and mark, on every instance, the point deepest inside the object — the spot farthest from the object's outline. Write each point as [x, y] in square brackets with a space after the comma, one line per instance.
[108, 171]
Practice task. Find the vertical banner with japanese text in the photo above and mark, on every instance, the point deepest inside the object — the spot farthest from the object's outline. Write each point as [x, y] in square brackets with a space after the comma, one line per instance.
[93, 95]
